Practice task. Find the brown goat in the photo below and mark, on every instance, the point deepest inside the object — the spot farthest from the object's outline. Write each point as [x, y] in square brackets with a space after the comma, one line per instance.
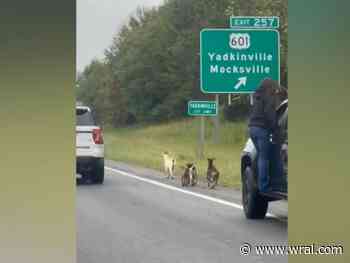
[212, 174]
[190, 175]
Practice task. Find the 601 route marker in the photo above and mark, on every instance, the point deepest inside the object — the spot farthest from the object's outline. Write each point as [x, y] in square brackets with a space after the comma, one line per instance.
[237, 60]
[202, 108]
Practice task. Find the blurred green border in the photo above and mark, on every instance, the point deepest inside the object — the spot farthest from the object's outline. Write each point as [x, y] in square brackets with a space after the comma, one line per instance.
[319, 179]
[37, 196]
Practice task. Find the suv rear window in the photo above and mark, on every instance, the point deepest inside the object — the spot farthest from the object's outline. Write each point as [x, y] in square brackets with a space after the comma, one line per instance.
[84, 118]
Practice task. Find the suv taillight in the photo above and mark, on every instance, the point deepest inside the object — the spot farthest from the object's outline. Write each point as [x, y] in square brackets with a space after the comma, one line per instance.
[97, 136]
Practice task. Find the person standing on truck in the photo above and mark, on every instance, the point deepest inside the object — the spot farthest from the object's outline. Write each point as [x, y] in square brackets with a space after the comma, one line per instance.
[262, 124]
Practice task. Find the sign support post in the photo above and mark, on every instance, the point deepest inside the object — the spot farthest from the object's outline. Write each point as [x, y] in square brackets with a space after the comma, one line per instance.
[201, 138]
[216, 133]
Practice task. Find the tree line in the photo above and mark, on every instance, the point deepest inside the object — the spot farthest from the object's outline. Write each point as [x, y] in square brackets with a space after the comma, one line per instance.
[151, 68]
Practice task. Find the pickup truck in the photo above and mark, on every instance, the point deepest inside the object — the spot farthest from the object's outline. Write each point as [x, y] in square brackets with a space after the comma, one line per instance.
[255, 204]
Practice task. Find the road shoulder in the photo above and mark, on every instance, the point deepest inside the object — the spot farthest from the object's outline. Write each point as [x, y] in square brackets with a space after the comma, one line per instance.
[279, 208]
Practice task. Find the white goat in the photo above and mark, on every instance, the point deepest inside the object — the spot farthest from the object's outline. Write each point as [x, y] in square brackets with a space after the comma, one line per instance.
[169, 164]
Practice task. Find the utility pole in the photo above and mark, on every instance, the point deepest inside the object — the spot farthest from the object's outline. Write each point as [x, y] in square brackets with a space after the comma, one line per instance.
[251, 99]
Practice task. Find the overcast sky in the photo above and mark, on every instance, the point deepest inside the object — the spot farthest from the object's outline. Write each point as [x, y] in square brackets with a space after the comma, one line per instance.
[98, 21]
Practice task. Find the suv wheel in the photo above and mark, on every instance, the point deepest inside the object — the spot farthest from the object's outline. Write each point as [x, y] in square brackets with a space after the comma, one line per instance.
[98, 172]
[255, 205]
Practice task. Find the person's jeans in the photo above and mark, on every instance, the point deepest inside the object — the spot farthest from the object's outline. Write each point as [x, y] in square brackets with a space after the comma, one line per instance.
[260, 138]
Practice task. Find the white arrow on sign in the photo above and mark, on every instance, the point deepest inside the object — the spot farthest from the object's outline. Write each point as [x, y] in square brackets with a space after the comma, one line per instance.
[241, 81]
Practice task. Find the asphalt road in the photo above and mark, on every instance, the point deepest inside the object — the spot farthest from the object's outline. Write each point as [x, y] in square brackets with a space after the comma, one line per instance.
[131, 220]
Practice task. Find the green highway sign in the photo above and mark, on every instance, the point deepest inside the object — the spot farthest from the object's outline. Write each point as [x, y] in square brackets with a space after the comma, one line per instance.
[254, 22]
[202, 108]
[237, 60]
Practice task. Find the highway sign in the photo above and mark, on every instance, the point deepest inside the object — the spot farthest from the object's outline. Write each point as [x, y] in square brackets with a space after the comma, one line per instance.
[202, 108]
[237, 60]
[254, 22]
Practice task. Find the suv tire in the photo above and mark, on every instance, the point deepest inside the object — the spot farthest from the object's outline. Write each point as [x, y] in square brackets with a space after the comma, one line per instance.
[255, 206]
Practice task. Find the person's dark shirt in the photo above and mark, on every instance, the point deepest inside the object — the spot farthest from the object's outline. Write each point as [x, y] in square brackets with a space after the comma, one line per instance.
[263, 112]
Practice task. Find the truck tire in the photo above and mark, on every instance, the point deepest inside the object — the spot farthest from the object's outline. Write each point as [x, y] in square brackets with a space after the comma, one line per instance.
[255, 206]
[98, 172]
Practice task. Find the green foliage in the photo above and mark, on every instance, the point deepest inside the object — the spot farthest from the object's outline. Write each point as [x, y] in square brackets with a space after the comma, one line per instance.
[151, 68]
[97, 88]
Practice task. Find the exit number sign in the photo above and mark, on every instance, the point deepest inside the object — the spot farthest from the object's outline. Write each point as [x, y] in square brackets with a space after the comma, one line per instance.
[254, 22]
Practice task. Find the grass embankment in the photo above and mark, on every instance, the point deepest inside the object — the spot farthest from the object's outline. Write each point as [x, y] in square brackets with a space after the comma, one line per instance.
[144, 146]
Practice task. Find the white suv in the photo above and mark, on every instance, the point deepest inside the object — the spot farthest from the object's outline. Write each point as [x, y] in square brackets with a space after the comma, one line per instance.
[89, 146]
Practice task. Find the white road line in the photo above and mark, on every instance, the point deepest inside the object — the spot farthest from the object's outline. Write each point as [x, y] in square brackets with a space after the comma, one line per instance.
[206, 197]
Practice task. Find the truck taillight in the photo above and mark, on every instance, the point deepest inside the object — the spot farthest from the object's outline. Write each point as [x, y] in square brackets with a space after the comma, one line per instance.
[97, 136]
